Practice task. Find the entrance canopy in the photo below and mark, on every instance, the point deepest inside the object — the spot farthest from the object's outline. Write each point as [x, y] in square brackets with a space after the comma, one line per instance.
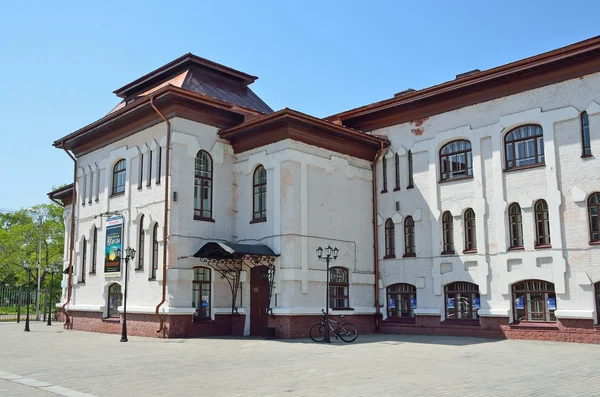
[228, 259]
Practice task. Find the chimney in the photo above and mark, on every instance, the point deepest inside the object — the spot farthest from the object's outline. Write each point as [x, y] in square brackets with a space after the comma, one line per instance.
[469, 73]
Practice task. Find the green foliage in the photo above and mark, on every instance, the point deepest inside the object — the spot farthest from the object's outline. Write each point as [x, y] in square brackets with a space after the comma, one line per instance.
[19, 238]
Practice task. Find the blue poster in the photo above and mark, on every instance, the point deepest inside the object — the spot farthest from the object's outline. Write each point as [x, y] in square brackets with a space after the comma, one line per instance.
[392, 304]
[413, 303]
[476, 302]
[114, 231]
[204, 301]
[551, 302]
[450, 303]
[519, 303]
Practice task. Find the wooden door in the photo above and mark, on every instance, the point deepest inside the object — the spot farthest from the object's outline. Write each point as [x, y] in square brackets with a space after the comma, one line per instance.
[259, 296]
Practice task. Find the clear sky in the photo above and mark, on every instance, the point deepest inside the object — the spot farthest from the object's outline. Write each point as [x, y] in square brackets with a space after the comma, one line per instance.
[61, 60]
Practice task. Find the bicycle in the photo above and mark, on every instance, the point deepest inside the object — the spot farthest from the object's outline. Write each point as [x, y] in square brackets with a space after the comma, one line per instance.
[346, 331]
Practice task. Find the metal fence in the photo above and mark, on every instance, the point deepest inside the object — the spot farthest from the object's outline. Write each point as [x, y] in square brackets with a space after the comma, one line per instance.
[13, 303]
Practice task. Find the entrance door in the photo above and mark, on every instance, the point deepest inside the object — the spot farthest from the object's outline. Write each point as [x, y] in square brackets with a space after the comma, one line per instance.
[259, 296]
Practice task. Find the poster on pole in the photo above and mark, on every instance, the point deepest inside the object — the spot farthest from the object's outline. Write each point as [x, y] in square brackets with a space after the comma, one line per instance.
[114, 234]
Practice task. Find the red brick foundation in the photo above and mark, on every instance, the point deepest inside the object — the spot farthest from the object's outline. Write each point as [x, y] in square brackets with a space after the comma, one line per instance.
[289, 327]
[564, 330]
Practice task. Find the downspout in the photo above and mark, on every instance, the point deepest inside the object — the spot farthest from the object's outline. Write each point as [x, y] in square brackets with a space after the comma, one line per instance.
[166, 218]
[376, 235]
[72, 237]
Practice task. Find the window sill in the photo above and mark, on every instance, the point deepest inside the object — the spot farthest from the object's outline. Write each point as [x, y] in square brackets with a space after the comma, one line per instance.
[400, 320]
[139, 188]
[152, 279]
[139, 269]
[543, 246]
[409, 255]
[597, 242]
[197, 218]
[349, 309]
[114, 195]
[525, 167]
[258, 221]
[410, 187]
[470, 251]
[389, 257]
[448, 253]
[518, 248]
[384, 191]
[92, 273]
[534, 325]
[462, 178]
[397, 189]
[81, 282]
[461, 323]
[586, 156]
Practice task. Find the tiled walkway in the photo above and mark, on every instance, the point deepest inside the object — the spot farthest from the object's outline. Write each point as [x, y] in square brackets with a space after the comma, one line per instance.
[75, 362]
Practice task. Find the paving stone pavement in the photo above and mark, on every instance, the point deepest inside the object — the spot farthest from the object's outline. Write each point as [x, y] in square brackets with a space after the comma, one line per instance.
[77, 362]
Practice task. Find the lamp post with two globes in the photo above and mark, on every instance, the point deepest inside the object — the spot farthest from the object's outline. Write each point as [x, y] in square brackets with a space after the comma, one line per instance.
[27, 267]
[331, 254]
[52, 270]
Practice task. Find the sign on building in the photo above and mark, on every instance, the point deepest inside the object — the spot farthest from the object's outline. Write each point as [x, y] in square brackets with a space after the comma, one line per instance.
[114, 234]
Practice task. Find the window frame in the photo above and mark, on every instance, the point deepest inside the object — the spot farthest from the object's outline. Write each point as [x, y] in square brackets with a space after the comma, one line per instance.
[447, 233]
[384, 174]
[403, 294]
[591, 223]
[94, 250]
[154, 268]
[409, 238]
[201, 284]
[110, 293]
[261, 195]
[470, 229]
[390, 236]
[515, 220]
[199, 181]
[537, 152]
[118, 190]
[141, 244]
[158, 164]
[462, 288]
[397, 169]
[526, 300]
[544, 237]
[411, 181]
[141, 173]
[149, 176]
[445, 161]
[83, 261]
[346, 284]
[586, 143]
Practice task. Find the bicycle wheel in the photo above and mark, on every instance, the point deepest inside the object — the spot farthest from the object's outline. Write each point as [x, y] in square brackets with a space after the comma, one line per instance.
[348, 332]
[317, 332]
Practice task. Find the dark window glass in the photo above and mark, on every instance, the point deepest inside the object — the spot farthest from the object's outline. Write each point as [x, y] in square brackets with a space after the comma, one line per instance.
[594, 216]
[201, 292]
[410, 171]
[203, 183]
[515, 222]
[448, 233]
[260, 194]
[462, 301]
[149, 181]
[409, 236]
[397, 166]
[141, 241]
[338, 288]
[597, 289]
[83, 261]
[384, 166]
[542, 224]
[118, 181]
[94, 250]
[115, 298]
[390, 248]
[141, 171]
[524, 146]
[585, 135]
[534, 300]
[158, 165]
[456, 160]
[154, 251]
[470, 231]
[401, 301]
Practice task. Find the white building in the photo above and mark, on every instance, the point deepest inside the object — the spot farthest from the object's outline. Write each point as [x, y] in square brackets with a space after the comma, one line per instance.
[486, 189]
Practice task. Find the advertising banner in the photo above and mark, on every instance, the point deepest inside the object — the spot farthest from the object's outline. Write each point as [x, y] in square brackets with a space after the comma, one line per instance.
[551, 302]
[392, 304]
[519, 303]
[450, 303]
[476, 302]
[413, 303]
[114, 234]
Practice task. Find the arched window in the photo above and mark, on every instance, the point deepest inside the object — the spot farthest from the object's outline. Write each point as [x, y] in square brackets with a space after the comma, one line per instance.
[456, 160]
[585, 135]
[260, 194]
[203, 184]
[94, 250]
[201, 292]
[141, 238]
[154, 251]
[462, 301]
[384, 171]
[470, 232]
[594, 217]
[118, 180]
[115, 297]
[390, 248]
[83, 261]
[409, 237]
[515, 222]
[597, 290]
[534, 300]
[524, 146]
[338, 288]
[447, 233]
[542, 224]
[401, 301]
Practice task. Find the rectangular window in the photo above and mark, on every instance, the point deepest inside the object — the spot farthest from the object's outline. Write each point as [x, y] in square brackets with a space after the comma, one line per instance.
[94, 251]
[149, 181]
[83, 261]
[141, 178]
[201, 293]
[83, 189]
[91, 188]
[397, 166]
[98, 185]
[410, 171]
[158, 165]
[384, 165]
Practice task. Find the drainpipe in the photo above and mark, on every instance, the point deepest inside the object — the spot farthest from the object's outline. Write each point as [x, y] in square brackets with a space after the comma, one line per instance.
[72, 237]
[376, 235]
[166, 218]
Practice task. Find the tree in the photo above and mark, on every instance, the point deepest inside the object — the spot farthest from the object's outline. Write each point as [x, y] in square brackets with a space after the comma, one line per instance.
[19, 237]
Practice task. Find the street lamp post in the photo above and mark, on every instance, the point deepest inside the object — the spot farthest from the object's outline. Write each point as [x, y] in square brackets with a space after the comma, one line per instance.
[331, 255]
[129, 254]
[51, 269]
[39, 260]
[27, 267]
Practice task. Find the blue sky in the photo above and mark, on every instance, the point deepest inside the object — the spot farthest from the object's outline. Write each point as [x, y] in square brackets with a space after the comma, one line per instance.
[62, 60]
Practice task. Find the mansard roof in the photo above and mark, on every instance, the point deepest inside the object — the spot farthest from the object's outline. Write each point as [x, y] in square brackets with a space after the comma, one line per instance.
[562, 64]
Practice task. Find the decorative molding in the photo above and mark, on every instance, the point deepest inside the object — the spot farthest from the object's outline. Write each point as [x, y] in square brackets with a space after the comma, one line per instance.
[578, 195]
